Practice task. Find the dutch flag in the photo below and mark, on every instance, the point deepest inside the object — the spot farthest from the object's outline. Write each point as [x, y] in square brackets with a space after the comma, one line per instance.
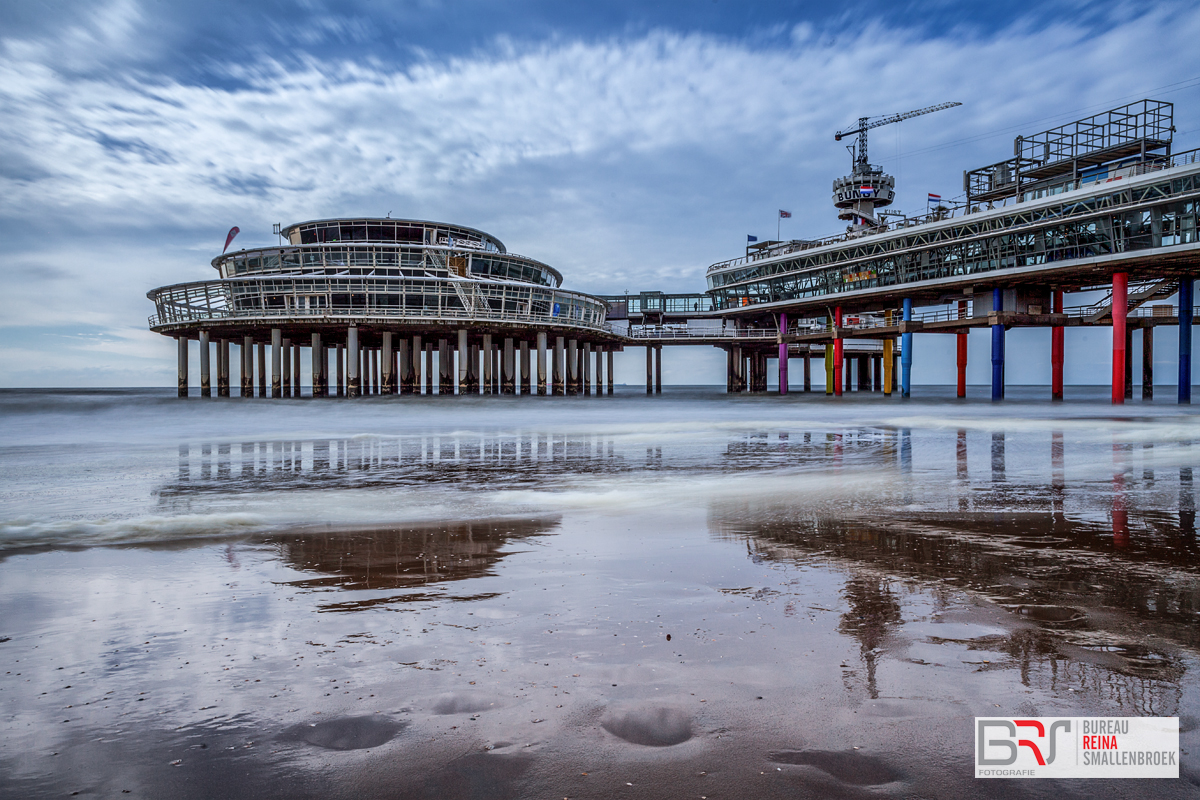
[935, 198]
[866, 191]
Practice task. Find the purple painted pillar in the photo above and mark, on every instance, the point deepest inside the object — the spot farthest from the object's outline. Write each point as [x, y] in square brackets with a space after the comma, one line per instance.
[783, 355]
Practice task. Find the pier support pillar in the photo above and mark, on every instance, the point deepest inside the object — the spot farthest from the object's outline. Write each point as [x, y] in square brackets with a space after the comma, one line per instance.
[339, 358]
[223, 373]
[181, 344]
[429, 368]
[205, 373]
[962, 352]
[1148, 363]
[487, 363]
[609, 357]
[524, 382]
[837, 351]
[962, 364]
[247, 372]
[223, 368]
[829, 369]
[649, 369]
[263, 386]
[1120, 310]
[586, 372]
[906, 353]
[889, 365]
[403, 367]
[464, 362]
[276, 363]
[559, 370]
[508, 368]
[445, 368]
[541, 363]
[572, 366]
[807, 371]
[728, 370]
[318, 366]
[508, 382]
[414, 365]
[325, 375]
[783, 354]
[1186, 289]
[1128, 361]
[353, 362]
[296, 356]
[864, 373]
[658, 369]
[1057, 350]
[285, 350]
[386, 362]
[997, 348]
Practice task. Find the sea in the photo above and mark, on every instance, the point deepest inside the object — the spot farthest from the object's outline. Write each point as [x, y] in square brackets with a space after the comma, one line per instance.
[684, 595]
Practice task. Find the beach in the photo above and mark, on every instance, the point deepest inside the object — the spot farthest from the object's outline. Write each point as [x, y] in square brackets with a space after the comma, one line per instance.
[688, 595]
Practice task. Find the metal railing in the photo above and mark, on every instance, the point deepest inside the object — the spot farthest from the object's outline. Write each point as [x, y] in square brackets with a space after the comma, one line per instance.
[950, 210]
[680, 332]
[428, 300]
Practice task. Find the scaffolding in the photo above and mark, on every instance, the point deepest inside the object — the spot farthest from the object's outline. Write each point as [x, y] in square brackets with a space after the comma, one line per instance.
[1061, 157]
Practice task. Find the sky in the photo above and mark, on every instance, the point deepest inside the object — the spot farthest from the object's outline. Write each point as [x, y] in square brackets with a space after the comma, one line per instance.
[627, 144]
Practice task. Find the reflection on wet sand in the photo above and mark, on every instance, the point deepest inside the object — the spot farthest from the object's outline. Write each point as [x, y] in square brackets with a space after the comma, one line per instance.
[420, 560]
[1078, 619]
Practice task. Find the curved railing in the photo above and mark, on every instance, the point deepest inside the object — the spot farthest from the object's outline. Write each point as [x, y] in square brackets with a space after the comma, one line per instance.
[335, 298]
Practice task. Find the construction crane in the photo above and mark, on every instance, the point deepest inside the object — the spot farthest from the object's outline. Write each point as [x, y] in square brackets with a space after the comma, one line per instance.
[865, 124]
[858, 195]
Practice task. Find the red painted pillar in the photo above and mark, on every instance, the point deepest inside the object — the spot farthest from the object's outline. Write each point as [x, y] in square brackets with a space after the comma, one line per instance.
[1120, 307]
[1056, 351]
[962, 352]
[837, 353]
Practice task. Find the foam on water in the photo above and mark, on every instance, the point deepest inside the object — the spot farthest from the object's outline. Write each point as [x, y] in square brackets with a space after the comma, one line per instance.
[102, 468]
[30, 532]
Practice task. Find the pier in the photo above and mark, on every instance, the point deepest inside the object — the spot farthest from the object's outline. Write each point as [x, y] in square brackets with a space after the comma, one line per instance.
[388, 306]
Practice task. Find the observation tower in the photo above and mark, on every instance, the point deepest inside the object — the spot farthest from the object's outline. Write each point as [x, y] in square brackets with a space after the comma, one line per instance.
[867, 187]
[372, 295]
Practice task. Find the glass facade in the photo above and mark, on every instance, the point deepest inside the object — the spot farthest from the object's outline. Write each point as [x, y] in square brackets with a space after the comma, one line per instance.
[1108, 220]
[386, 259]
[390, 230]
[381, 268]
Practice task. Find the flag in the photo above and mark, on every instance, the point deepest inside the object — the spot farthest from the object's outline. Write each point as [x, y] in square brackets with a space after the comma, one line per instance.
[935, 198]
[750, 238]
[234, 231]
[785, 214]
[866, 191]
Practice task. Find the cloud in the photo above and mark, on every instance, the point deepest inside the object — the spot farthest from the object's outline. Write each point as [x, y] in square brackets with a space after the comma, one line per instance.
[629, 162]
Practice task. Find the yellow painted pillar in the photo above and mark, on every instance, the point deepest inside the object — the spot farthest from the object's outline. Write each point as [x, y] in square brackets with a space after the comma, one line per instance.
[889, 364]
[829, 373]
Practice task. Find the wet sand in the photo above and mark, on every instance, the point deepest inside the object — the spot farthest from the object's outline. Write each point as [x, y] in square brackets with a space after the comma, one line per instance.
[780, 603]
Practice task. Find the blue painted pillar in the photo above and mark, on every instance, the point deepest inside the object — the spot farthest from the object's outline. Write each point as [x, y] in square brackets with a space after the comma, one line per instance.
[997, 348]
[783, 354]
[906, 354]
[1186, 298]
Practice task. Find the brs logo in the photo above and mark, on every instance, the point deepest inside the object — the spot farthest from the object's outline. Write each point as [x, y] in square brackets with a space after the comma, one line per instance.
[1040, 745]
